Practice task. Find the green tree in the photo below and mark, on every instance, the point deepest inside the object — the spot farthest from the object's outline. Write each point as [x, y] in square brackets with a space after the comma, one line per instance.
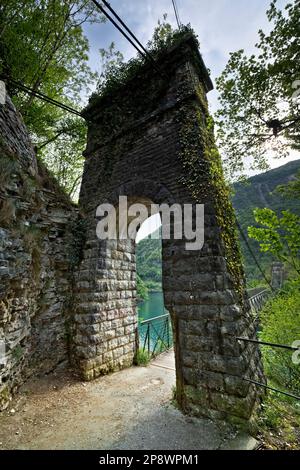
[279, 236]
[163, 35]
[42, 45]
[292, 189]
[63, 155]
[259, 95]
[112, 61]
[142, 290]
[116, 72]
[279, 321]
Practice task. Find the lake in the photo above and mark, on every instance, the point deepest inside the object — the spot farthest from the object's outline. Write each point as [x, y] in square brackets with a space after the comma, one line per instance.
[153, 307]
[160, 331]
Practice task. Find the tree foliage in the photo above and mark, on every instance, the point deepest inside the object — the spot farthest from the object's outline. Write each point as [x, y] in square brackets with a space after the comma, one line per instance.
[279, 236]
[149, 262]
[292, 189]
[259, 95]
[142, 289]
[280, 319]
[42, 45]
[116, 72]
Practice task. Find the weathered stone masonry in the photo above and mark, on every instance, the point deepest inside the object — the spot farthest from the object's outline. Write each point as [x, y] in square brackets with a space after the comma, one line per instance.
[60, 295]
[35, 284]
[151, 141]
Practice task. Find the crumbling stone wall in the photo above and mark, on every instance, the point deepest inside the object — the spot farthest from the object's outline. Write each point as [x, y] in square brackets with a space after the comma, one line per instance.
[152, 139]
[35, 282]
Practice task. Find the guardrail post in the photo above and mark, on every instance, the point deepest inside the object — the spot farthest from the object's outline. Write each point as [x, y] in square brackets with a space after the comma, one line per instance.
[148, 332]
[168, 332]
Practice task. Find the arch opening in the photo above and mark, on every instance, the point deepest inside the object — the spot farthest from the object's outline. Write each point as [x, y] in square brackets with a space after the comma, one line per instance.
[154, 322]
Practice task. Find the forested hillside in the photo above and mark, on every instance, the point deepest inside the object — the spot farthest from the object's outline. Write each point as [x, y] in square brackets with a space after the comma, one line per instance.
[259, 191]
[149, 265]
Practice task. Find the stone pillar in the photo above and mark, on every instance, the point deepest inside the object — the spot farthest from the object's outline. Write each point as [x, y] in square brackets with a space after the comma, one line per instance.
[106, 317]
[277, 275]
[207, 316]
[159, 147]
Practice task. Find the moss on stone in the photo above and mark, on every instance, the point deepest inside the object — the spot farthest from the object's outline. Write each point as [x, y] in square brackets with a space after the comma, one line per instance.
[203, 176]
[4, 397]
[17, 352]
[195, 395]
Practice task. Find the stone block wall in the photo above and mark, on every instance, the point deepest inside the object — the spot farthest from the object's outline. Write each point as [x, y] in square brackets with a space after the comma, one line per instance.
[152, 141]
[106, 307]
[35, 252]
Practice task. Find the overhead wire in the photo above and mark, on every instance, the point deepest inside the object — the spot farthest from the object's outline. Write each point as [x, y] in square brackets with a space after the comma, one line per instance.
[150, 57]
[176, 13]
[141, 49]
[41, 96]
[245, 239]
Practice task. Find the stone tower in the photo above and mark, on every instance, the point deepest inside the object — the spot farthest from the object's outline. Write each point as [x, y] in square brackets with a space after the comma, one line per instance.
[151, 139]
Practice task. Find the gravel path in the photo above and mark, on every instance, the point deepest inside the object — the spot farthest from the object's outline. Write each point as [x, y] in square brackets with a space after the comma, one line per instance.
[130, 409]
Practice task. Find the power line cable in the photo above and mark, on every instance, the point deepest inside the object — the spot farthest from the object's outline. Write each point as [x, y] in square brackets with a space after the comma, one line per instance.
[176, 13]
[150, 57]
[271, 388]
[144, 53]
[42, 96]
[252, 253]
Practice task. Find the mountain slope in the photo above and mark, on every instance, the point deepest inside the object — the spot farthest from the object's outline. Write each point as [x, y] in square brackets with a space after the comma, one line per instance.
[259, 192]
[149, 262]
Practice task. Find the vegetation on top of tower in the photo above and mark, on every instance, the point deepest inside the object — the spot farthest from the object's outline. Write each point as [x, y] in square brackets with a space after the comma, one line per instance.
[116, 72]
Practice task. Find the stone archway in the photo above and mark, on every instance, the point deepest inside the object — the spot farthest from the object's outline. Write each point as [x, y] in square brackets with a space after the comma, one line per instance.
[160, 147]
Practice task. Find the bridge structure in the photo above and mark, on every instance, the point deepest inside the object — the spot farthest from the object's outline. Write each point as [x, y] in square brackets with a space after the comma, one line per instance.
[151, 140]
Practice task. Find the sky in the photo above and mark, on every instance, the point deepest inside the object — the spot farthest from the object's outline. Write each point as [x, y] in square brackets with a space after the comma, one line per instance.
[222, 26]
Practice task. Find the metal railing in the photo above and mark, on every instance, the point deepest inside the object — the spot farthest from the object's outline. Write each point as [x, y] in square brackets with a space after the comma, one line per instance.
[156, 335]
[258, 300]
[271, 345]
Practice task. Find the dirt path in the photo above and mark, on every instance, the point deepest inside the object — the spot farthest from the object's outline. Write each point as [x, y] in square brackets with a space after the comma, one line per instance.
[130, 409]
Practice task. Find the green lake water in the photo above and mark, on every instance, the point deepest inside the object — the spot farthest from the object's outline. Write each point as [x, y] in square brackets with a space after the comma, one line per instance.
[153, 307]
